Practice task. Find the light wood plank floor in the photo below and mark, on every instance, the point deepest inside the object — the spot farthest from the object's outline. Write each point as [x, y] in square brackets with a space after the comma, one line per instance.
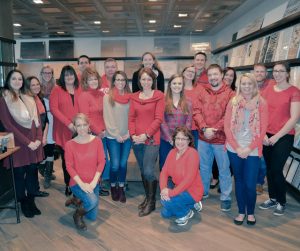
[118, 227]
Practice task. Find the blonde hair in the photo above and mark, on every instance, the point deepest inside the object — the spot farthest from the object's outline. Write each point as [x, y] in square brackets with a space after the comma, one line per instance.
[86, 74]
[253, 82]
[81, 116]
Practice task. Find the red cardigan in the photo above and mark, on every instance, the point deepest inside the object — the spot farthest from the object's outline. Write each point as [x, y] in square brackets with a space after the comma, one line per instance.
[184, 172]
[256, 142]
[84, 160]
[63, 111]
[146, 116]
[91, 103]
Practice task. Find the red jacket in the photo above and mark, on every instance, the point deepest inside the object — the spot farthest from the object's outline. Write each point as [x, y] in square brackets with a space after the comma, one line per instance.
[202, 79]
[63, 110]
[209, 111]
[146, 116]
[185, 174]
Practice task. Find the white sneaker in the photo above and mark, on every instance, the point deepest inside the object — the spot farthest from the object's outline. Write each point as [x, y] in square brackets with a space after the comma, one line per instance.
[184, 220]
[198, 206]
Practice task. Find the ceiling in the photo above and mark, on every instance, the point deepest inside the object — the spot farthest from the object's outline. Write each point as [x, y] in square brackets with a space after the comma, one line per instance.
[76, 18]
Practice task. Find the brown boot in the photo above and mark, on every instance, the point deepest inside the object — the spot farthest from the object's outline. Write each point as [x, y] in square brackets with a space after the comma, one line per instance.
[73, 201]
[122, 196]
[114, 193]
[78, 218]
[150, 206]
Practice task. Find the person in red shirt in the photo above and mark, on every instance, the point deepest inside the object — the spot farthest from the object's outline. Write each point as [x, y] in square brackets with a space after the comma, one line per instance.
[245, 126]
[284, 111]
[182, 166]
[146, 111]
[200, 59]
[64, 106]
[85, 161]
[83, 62]
[110, 68]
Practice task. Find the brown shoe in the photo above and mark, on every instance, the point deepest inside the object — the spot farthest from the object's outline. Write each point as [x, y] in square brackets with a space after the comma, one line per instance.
[73, 201]
[122, 196]
[78, 218]
[259, 189]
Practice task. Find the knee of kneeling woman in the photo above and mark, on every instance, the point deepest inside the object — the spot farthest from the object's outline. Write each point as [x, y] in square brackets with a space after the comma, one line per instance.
[165, 213]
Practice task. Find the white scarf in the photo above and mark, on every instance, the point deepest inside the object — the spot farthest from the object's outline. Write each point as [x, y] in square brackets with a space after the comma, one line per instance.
[23, 110]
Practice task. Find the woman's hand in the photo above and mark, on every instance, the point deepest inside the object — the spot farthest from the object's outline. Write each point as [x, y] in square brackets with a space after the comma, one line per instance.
[244, 152]
[37, 143]
[210, 133]
[120, 139]
[32, 146]
[164, 194]
[86, 187]
[273, 140]
[266, 141]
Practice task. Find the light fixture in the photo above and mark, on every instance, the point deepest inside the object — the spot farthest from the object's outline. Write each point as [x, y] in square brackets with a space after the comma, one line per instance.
[182, 15]
[177, 26]
[152, 0]
[97, 22]
[17, 34]
[105, 31]
[60, 32]
[152, 21]
[152, 30]
[198, 30]
[17, 25]
[38, 1]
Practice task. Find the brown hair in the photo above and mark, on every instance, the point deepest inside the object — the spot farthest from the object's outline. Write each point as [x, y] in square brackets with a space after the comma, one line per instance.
[155, 64]
[287, 68]
[7, 85]
[27, 88]
[215, 66]
[126, 87]
[81, 116]
[184, 69]
[169, 97]
[186, 132]
[86, 74]
[150, 73]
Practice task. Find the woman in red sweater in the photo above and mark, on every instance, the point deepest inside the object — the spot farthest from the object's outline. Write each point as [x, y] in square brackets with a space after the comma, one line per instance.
[245, 126]
[64, 106]
[146, 111]
[182, 165]
[85, 161]
[284, 112]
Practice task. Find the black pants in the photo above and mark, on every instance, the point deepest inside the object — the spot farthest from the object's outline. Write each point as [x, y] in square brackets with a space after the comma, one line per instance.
[26, 181]
[275, 157]
[49, 150]
[63, 165]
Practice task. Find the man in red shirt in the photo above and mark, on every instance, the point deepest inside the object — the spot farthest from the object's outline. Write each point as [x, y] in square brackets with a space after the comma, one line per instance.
[209, 112]
[110, 67]
[200, 59]
[83, 62]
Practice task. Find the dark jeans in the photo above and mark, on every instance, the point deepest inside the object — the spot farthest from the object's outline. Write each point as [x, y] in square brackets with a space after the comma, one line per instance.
[275, 157]
[146, 156]
[26, 181]
[245, 175]
[164, 149]
[195, 134]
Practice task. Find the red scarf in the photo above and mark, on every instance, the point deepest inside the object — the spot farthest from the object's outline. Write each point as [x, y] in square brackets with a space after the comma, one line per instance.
[39, 104]
[117, 97]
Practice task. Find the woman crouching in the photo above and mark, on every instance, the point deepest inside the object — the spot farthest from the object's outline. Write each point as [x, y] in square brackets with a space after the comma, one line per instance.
[85, 162]
[182, 165]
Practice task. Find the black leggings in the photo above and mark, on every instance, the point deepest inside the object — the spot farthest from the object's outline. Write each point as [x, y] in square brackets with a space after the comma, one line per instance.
[49, 150]
[63, 165]
[275, 157]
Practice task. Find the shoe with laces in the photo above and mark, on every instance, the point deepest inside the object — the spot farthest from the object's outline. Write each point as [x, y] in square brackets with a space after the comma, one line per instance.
[198, 206]
[184, 220]
[279, 210]
[268, 204]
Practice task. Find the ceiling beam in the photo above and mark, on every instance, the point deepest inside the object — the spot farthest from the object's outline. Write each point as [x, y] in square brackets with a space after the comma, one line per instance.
[138, 19]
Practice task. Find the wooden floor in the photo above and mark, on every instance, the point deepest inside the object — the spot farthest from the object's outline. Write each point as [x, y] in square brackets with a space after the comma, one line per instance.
[118, 227]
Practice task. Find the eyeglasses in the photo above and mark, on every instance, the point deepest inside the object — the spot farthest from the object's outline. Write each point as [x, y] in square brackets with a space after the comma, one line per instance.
[120, 80]
[281, 71]
[181, 139]
[47, 73]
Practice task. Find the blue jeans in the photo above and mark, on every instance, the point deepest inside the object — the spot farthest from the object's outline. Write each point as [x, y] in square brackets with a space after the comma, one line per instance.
[177, 206]
[262, 171]
[106, 170]
[164, 149]
[119, 153]
[207, 153]
[245, 175]
[146, 156]
[195, 134]
[90, 201]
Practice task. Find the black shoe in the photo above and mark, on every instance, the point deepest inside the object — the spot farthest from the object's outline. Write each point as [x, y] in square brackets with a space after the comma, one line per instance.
[103, 192]
[219, 190]
[213, 186]
[68, 191]
[239, 222]
[25, 208]
[32, 206]
[251, 223]
[41, 194]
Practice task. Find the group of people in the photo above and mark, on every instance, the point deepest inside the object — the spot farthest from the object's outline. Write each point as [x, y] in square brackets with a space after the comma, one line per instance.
[206, 118]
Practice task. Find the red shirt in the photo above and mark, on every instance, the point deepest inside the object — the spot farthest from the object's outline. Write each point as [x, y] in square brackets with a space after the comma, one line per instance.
[184, 172]
[202, 79]
[91, 103]
[279, 104]
[146, 116]
[63, 111]
[105, 84]
[192, 95]
[84, 160]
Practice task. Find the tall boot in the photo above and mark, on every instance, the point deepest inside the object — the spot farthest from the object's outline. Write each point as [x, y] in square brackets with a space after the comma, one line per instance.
[25, 208]
[122, 196]
[32, 206]
[144, 203]
[150, 206]
[73, 201]
[48, 174]
[78, 218]
[41, 168]
[114, 193]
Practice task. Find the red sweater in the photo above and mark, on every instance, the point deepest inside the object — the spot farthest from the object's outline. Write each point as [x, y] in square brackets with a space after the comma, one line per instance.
[91, 103]
[202, 79]
[256, 142]
[209, 111]
[84, 160]
[63, 111]
[279, 104]
[184, 172]
[146, 116]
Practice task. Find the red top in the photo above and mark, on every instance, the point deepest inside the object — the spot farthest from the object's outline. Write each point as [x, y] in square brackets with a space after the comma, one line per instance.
[146, 116]
[279, 104]
[202, 79]
[265, 84]
[105, 84]
[63, 111]
[184, 172]
[84, 160]
[209, 110]
[192, 95]
[256, 142]
[91, 103]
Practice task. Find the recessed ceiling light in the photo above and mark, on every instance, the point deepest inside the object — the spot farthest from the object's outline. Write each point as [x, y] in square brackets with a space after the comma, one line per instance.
[177, 26]
[152, 21]
[152, 0]
[182, 15]
[198, 30]
[17, 25]
[17, 34]
[105, 31]
[60, 32]
[38, 1]
[152, 30]
[97, 22]
[207, 15]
